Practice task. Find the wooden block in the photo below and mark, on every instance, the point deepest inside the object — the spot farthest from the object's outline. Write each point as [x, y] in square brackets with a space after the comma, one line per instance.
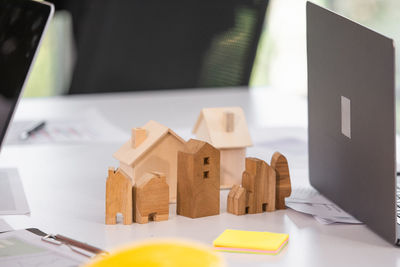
[226, 129]
[198, 180]
[212, 124]
[270, 190]
[248, 182]
[236, 203]
[259, 181]
[153, 147]
[231, 197]
[283, 186]
[229, 117]
[118, 197]
[138, 136]
[151, 198]
[240, 202]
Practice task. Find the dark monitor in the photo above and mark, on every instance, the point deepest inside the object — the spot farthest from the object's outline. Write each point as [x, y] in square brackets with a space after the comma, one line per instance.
[22, 24]
[138, 45]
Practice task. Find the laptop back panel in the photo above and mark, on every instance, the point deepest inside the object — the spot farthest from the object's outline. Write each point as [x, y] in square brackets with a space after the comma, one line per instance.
[351, 115]
[22, 24]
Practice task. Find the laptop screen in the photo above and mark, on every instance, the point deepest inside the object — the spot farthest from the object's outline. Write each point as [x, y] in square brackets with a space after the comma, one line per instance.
[22, 23]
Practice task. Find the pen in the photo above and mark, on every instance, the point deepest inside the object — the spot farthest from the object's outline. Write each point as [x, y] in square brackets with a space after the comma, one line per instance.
[72, 244]
[79, 244]
[25, 134]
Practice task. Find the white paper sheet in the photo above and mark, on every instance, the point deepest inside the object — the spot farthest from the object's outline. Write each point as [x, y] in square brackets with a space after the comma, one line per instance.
[12, 195]
[4, 227]
[90, 127]
[307, 194]
[23, 248]
[320, 210]
[308, 200]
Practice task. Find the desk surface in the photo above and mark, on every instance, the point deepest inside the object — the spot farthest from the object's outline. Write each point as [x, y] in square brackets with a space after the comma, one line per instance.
[65, 184]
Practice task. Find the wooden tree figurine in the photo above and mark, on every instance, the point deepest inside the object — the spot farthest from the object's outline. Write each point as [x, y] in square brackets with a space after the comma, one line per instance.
[198, 180]
[118, 197]
[151, 198]
[283, 186]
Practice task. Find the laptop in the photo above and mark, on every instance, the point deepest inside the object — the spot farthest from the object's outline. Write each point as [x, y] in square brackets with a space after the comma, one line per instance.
[351, 116]
[22, 26]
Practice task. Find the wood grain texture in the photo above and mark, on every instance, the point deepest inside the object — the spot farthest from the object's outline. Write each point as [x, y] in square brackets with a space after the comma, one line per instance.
[226, 129]
[138, 136]
[283, 185]
[229, 121]
[198, 180]
[151, 198]
[162, 158]
[211, 127]
[118, 197]
[257, 193]
[259, 182]
[236, 203]
[156, 152]
[231, 196]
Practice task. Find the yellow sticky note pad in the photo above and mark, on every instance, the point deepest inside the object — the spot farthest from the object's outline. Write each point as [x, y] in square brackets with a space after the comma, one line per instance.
[250, 242]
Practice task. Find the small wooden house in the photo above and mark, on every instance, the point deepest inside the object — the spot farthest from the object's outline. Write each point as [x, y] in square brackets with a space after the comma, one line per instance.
[226, 129]
[198, 180]
[257, 193]
[118, 197]
[151, 198]
[152, 148]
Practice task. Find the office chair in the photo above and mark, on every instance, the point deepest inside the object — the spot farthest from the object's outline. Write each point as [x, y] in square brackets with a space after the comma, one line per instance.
[157, 44]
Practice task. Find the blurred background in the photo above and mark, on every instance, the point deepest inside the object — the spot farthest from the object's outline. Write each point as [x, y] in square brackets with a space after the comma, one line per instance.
[280, 61]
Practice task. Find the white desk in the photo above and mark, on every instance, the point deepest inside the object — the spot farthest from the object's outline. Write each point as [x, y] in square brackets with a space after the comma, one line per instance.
[65, 184]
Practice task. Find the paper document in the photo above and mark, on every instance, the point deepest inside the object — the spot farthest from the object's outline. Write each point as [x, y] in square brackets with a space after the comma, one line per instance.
[4, 227]
[308, 200]
[23, 248]
[307, 194]
[12, 195]
[90, 127]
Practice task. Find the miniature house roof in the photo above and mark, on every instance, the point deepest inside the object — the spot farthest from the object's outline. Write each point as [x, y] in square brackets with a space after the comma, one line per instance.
[149, 179]
[194, 146]
[155, 132]
[226, 127]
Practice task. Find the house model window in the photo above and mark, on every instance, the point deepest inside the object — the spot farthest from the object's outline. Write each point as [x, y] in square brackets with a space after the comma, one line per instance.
[205, 174]
[206, 161]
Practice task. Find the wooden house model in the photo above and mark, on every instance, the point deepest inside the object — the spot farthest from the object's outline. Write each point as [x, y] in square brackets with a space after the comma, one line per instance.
[198, 180]
[151, 198]
[118, 197]
[257, 193]
[226, 129]
[152, 148]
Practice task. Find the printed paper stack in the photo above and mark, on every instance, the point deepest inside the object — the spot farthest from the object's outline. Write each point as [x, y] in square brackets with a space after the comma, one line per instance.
[250, 242]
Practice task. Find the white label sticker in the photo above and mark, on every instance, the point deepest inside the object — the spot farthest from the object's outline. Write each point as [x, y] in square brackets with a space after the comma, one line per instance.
[346, 117]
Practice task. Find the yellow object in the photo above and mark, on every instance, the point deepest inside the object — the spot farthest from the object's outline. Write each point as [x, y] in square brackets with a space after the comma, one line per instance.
[161, 254]
[250, 242]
